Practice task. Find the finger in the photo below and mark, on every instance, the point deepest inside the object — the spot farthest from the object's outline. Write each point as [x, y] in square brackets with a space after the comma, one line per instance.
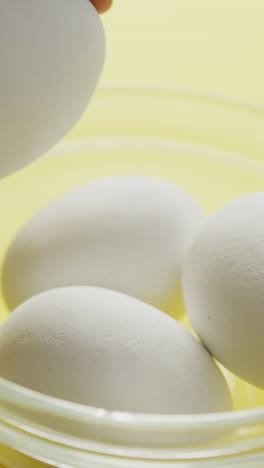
[102, 5]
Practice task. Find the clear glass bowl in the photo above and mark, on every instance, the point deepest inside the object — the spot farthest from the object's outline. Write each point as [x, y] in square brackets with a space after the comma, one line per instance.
[212, 147]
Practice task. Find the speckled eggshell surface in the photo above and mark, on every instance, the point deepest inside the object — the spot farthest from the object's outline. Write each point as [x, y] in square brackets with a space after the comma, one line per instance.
[126, 233]
[51, 56]
[223, 284]
[105, 349]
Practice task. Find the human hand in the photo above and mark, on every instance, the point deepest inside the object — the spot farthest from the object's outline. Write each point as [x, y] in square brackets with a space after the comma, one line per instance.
[102, 5]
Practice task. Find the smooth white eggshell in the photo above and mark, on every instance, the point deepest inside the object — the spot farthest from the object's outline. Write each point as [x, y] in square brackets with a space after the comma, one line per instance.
[223, 284]
[51, 55]
[126, 233]
[102, 348]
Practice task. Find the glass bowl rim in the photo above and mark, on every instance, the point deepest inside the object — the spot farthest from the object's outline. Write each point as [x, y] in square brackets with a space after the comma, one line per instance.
[16, 395]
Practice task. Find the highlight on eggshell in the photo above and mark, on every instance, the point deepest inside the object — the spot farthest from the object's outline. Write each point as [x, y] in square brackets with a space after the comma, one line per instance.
[104, 349]
[223, 284]
[51, 56]
[127, 233]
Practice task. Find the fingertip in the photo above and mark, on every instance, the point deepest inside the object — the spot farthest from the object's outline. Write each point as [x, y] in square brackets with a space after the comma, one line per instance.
[102, 5]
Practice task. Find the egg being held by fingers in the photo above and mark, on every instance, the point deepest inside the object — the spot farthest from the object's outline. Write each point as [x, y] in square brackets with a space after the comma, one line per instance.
[51, 56]
[126, 233]
[105, 349]
[223, 285]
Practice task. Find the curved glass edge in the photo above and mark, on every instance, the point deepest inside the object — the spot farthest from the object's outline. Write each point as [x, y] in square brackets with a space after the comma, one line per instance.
[18, 403]
[190, 93]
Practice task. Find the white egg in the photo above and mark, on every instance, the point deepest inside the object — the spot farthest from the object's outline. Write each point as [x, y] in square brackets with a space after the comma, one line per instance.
[51, 56]
[223, 284]
[102, 348]
[125, 233]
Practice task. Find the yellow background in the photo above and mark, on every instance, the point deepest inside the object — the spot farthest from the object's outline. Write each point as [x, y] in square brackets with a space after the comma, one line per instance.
[210, 45]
